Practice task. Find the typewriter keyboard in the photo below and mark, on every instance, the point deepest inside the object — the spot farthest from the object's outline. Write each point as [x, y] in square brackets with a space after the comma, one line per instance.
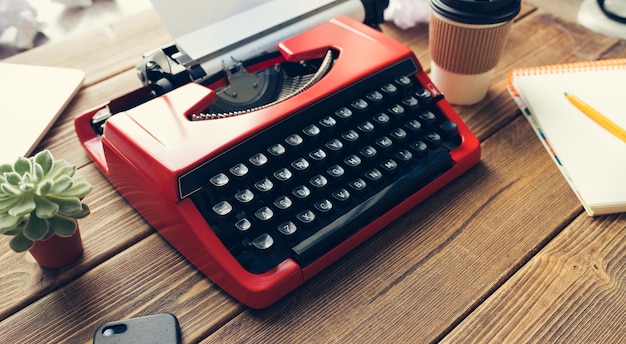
[307, 183]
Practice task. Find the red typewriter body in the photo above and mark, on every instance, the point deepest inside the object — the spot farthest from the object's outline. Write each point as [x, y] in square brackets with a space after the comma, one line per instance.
[149, 151]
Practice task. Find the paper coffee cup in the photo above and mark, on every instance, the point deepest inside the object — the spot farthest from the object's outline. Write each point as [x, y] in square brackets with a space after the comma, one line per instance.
[466, 41]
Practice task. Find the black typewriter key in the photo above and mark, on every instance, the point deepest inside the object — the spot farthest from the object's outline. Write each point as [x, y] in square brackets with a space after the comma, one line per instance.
[425, 95]
[287, 228]
[244, 196]
[301, 192]
[381, 119]
[396, 111]
[312, 131]
[319, 181]
[398, 134]
[383, 143]
[404, 82]
[223, 208]
[389, 166]
[318, 155]
[428, 118]
[404, 157]
[328, 122]
[433, 140]
[413, 126]
[323, 207]
[258, 159]
[366, 127]
[283, 203]
[419, 148]
[368, 152]
[389, 90]
[374, 175]
[335, 171]
[343, 113]
[342, 196]
[352, 161]
[375, 98]
[283, 174]
[276, 149]
[263, 242]
[357, 185]
[294, 140]
[219, 180]
[264, 214]
[359, 105]
[300, 164]
[264, 185]
[334, 146]
[448, 129]
[239, 170]
[243, 225]
[350, 136]
[411, 103]
[307, 217]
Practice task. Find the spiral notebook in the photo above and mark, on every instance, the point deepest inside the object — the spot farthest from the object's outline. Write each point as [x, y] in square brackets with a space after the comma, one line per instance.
[592, 159]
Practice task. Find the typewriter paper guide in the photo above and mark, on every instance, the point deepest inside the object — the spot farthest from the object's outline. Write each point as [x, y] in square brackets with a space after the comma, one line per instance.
[31, 99]
[205, 29]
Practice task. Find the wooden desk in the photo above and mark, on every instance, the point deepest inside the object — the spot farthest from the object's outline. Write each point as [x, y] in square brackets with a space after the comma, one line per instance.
[503, 254]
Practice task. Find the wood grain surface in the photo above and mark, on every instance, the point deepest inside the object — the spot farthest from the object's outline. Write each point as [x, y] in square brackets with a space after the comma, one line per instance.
[504, 254]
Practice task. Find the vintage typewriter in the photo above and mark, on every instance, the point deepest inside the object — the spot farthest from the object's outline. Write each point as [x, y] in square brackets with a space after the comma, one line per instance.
[267, 157]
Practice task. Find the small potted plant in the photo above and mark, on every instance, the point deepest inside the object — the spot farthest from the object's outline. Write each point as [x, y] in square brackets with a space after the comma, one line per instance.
[40, 200]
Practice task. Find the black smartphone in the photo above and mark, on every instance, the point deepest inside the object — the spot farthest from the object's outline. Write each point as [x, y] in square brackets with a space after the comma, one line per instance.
[160, 328]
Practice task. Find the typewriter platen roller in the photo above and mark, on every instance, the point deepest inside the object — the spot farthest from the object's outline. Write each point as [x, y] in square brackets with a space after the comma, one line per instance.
[222, 164]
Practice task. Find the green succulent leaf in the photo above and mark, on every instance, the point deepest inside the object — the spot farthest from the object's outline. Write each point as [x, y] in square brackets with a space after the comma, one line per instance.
[25, 206]
[45, 209]
[20, 243]
[38, 173]
[67, 205]
[61, 184]
[62, 226]
[45, 160]
[8, 222]
[10, 190]
[36, 228]
[13, 178]
[22, 165]
[4, 168]
[80, 189]
[7, 203]
[84, 212]
[61, 168]
[44, 187]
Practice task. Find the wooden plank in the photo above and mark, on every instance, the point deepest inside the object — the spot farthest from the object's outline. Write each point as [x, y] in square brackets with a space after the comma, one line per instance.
[572, 291]
[147, 278]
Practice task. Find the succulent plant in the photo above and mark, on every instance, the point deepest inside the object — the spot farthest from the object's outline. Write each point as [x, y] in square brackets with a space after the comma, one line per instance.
[40, 197]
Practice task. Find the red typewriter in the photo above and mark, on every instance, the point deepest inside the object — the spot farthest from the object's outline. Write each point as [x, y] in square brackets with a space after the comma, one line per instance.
[264, 170]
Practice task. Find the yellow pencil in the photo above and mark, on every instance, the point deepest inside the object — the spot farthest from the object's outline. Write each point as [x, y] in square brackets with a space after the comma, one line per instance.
[596, 116]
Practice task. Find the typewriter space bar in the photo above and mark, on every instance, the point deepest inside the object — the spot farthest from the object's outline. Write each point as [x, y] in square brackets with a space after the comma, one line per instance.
[437, 162]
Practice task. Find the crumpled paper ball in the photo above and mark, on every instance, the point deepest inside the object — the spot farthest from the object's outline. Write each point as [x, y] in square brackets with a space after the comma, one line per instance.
[21, 15]
[407, 13]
